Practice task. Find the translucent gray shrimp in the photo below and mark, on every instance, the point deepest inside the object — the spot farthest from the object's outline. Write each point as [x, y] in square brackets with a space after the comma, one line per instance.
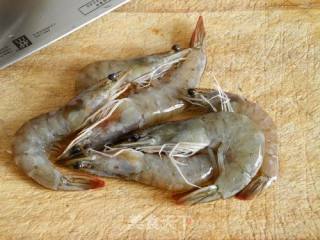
[237, 142]
[148, 106]
[269, 170]
[36, 137]
[150, 169]
[110, 69]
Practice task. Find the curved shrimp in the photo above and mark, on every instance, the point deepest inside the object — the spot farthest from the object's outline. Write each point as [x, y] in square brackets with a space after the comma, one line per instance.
[35, 138]
[110, 69]
[149, 106]
[269, 170]
[238, 143]
[149, 169]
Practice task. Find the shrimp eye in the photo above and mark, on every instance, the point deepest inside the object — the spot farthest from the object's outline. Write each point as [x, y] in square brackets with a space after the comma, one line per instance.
[113, 76]
[77, 165]
[133, 138]
[176, 48]
[75, 150]
[191, 92]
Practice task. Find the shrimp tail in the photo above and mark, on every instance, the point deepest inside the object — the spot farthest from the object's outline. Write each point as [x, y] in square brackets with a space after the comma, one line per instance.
[40, 169]
[198, 34]
[254, 188]
[75, 183]
[46, 175]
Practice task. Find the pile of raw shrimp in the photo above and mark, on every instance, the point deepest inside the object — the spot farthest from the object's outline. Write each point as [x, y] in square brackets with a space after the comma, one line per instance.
[144, 120]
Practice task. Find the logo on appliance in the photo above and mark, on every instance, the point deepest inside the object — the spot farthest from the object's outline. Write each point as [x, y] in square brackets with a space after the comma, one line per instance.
[22, 42]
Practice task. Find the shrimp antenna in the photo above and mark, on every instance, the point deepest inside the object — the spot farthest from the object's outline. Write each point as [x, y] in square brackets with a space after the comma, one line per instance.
[224, 99]
[158, 72]
[175, 163]
[183, 150]
[112, 103]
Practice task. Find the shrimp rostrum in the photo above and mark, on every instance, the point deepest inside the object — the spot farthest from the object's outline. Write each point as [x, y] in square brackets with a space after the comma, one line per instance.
[231, 140]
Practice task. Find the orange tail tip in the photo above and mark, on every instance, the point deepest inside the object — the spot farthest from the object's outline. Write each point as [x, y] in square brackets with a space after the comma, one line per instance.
[198, 34]
[80, 183]
[176, 197]
[97, 183]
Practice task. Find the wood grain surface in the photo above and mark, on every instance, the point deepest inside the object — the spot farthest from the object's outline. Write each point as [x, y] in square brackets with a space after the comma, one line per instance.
[269, 51]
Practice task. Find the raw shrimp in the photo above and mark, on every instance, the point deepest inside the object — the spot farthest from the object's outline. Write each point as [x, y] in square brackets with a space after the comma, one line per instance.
[150, 169]
[109, 69]
[149, 106]
[270, 167]
[238, 142]
[35, 138]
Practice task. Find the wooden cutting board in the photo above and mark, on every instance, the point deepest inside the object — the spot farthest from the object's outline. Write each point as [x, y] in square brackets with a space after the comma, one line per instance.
[268, 51]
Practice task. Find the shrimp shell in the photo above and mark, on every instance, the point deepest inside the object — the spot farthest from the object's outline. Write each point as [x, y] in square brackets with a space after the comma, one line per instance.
[150, 169]
[35, 138]
[269, 170]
